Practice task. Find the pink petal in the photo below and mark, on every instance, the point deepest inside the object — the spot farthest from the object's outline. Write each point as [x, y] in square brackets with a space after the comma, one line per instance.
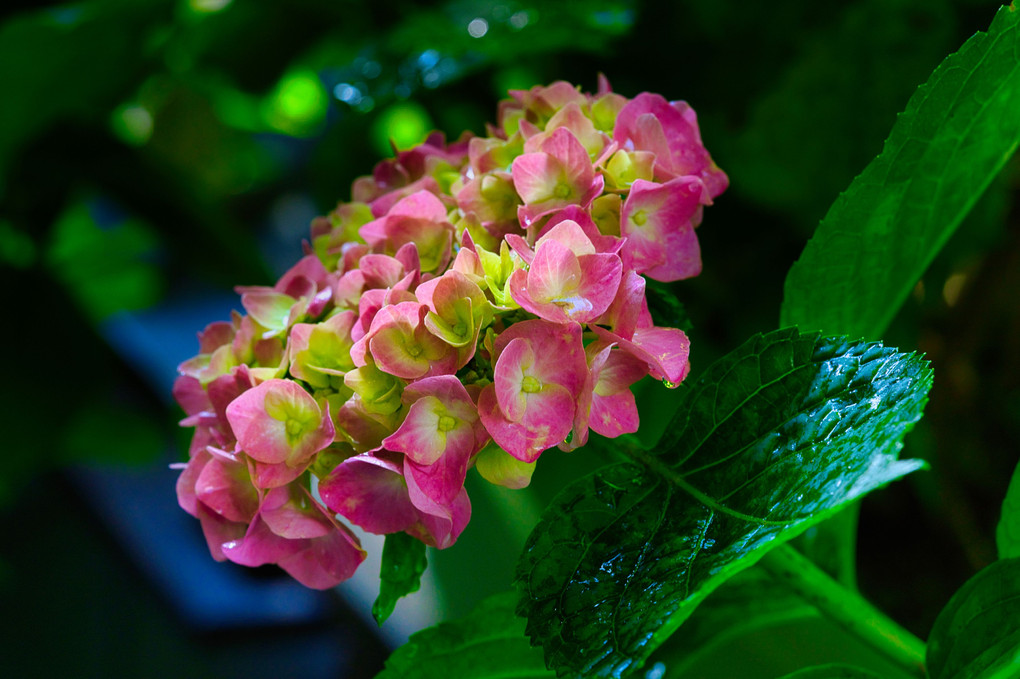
[614, 415]
[442, 529]
[665, 350]
[219, 531]
[547, 420]
[278, 421]
[283, 512]
[226, 488]
[440, 482]
[656, 221]
[421, 435]
[369, 492]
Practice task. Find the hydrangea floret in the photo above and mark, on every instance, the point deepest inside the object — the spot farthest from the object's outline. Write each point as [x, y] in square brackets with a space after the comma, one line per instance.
[476, 304]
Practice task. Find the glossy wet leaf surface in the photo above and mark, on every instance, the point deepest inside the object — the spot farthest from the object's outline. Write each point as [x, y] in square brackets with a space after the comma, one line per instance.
[977, 634]
[776, 436]
[958, 130]
[488, 643]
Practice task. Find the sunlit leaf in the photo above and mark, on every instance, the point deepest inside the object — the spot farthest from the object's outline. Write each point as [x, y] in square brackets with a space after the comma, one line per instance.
[977, 634]
[957, 132]
[488, 643]
[775, 437]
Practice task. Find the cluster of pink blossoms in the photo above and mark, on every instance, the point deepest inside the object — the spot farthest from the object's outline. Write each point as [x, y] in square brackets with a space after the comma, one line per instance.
[476, 304]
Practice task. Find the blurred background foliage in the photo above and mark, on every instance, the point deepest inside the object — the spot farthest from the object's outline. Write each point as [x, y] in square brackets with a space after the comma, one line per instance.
[155, 153]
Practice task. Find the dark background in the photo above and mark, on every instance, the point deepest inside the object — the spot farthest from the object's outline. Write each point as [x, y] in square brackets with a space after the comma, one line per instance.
[155, 153]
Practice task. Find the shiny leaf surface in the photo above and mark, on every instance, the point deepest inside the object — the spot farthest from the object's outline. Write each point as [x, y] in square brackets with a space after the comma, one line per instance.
[977, 634]
[775, 437]
[488, 643]
[958, 130]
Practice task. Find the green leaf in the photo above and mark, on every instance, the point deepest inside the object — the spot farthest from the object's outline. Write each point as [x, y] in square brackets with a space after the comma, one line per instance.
[977, 634]
[957, 132]
[776, 436]
[403, 562]
[1007, 533]
[745, 604]
[488, 643]
[832, 672]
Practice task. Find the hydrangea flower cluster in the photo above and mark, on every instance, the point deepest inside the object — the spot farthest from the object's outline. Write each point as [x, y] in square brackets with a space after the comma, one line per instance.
[476, 304]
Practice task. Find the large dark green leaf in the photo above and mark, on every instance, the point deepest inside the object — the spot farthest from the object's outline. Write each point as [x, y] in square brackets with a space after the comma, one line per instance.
[488, 643]
[776, 436]
[977, 634]
[957, 132]
[1007, 533]
[403, 562]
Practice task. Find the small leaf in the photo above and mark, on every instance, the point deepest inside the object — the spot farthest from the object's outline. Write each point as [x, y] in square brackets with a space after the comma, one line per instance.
[403, 562]
[835, 671]
[977, 634]
[1007, 534]
[958, 130]
[488, 643]
[778, 435]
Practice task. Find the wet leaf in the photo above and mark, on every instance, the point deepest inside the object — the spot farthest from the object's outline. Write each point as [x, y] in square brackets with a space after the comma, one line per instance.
[775, 437]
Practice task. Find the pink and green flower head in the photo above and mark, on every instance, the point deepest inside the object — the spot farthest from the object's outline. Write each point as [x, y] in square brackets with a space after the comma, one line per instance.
[670, 131]
[539, 372]
[567, 280]
[657, 221]
[379, 391]
[419, 218]
[626, 167]
[458, 310]
[338, 229]
[281, 427]
[487, 154]
[541, 102]
[571, 118]
[399, 343]
[438, 438]
[559, 174]
[492, 198]
[498, 268]
[320, 354]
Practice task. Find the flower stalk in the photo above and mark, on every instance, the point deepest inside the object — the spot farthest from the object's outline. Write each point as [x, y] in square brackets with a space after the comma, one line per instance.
[847, 608]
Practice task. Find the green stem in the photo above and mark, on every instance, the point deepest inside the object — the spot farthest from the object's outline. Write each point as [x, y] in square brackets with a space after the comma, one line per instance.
[847, 609]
